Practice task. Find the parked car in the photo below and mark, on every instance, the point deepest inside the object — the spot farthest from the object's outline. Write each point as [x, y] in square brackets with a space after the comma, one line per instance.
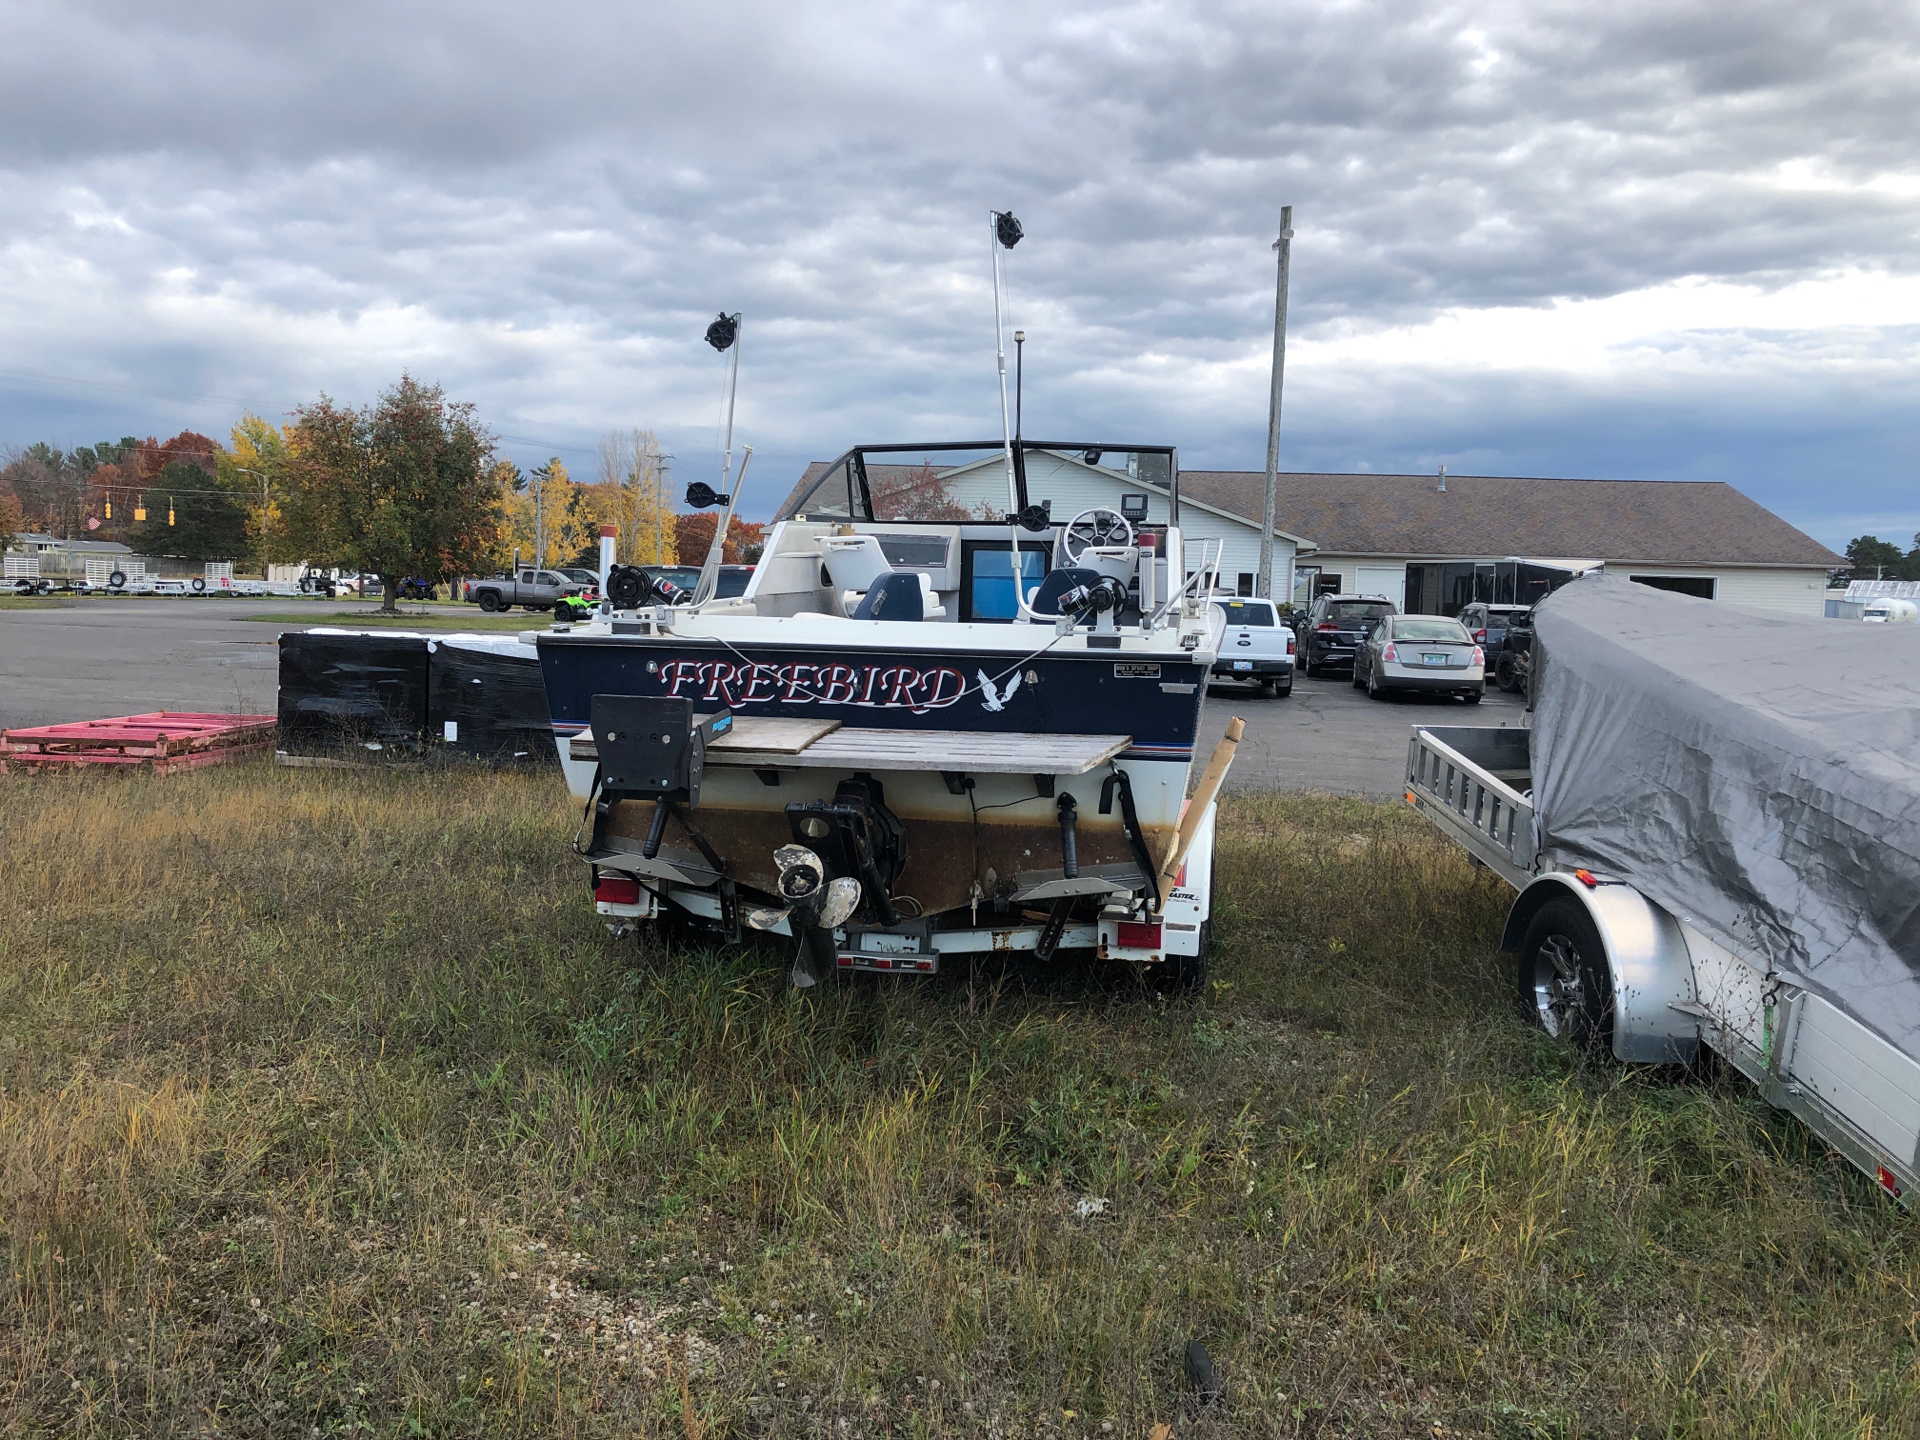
[1421, 652]
[730, 584]
[1514, 663]
[1256, 647]
[1334, 627]
[530, 589]
[589, 580]
[1487, 623]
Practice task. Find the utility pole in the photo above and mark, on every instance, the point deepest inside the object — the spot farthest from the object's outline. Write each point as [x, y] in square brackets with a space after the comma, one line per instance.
[1263, 583]
[266, 565]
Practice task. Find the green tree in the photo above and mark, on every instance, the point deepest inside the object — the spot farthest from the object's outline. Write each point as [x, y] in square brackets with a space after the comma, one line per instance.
[400, 488]
[1876, 559]
[192, 515]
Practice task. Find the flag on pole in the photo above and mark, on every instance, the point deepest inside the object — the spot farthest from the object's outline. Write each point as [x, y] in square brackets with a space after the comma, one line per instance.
[93, 522]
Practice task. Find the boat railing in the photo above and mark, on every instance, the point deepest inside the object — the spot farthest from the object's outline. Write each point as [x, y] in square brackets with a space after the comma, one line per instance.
[1200, 585]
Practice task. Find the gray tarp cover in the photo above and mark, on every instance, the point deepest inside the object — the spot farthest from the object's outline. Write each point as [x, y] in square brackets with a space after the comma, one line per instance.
[1758, 772]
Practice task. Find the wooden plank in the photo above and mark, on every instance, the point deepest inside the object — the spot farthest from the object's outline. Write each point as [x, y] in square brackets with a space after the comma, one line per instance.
[762, 734]
[1019, 753]
[840, 748]
[778, 735]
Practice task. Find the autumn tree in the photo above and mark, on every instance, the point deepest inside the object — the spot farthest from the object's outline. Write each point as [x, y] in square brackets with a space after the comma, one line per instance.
[400, 488]
[12, 521]
[693, 535]
[914, 493]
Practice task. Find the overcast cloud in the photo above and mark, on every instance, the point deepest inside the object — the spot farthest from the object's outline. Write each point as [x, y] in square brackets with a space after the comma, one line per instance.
[1625, 239]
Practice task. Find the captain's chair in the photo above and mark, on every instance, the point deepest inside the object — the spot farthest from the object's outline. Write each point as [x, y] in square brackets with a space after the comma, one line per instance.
[859, 570]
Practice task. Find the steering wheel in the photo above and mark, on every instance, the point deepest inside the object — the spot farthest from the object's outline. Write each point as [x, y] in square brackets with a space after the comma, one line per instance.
[1094, 529]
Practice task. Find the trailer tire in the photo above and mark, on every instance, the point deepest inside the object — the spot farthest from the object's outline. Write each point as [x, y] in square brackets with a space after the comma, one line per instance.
[1566, 987]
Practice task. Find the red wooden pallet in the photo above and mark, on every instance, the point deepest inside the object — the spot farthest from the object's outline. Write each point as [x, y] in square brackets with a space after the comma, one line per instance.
[164, 741]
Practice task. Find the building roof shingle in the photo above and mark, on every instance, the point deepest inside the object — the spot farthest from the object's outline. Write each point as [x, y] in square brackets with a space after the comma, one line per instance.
[1669, 522]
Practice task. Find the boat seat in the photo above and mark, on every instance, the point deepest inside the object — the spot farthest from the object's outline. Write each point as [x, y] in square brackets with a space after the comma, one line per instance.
[859, 569]
[1046, 600]
[854, 561]
[899, 595]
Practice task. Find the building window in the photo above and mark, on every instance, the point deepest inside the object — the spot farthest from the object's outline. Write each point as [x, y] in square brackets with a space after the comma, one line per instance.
[1244, 585]
[1696, 585]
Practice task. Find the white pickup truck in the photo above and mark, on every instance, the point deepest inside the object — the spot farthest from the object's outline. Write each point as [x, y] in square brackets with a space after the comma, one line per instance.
[1674, 891]
[1256, 647]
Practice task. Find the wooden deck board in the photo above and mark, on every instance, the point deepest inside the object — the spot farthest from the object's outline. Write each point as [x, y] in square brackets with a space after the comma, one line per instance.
[965, 751]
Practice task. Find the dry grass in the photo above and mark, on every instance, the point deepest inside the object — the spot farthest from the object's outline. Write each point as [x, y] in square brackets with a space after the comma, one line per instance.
[327, 1106]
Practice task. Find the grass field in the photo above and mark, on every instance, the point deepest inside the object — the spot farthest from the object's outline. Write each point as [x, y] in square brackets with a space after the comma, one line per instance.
[327, 1107]
[442, 617]
[32, 602]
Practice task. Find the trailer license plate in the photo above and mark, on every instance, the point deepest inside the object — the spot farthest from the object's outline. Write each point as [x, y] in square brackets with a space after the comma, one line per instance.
[1243, 664]
[881, 942]
[1434, 659]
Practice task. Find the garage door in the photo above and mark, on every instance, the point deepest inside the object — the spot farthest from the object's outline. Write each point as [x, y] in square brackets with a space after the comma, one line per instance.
[1387, 580]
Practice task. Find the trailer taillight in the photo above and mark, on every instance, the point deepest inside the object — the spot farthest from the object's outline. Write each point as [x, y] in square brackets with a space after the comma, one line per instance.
[616, 890]
[1138, 935]
[1887, 1182]
[1585, 877]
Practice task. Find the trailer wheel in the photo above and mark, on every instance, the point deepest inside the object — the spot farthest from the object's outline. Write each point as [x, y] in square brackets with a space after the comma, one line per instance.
[1565, 985]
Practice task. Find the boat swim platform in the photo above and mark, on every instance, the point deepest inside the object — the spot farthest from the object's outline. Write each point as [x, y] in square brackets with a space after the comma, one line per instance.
[768, 743]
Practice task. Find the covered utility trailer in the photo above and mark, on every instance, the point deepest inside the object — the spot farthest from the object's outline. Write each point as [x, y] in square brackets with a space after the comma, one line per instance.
[346, 693]
[1714, 827]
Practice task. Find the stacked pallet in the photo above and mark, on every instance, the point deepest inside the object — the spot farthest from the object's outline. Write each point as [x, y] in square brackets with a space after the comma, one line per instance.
[162, 742]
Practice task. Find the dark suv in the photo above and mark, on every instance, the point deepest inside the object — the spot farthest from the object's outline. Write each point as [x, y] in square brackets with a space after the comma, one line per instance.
[1512, 667]
[1334, 627]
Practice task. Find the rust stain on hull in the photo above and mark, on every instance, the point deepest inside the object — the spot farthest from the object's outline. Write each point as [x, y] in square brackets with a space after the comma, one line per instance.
[945, 855]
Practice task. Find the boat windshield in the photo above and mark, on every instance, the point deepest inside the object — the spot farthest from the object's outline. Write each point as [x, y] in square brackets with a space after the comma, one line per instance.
[961, 483]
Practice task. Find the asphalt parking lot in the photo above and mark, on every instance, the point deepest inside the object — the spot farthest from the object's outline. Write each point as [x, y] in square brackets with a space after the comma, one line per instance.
[1329, 736]
[91, 658]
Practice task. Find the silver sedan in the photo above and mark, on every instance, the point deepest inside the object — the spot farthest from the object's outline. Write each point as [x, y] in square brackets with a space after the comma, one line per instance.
[1421, 652]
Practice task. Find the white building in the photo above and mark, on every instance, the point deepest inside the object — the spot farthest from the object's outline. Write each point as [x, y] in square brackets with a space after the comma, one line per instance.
[1429, 546]
[1423, 543]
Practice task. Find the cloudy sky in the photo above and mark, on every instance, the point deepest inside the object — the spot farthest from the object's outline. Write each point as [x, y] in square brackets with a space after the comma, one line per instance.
[1658, 240]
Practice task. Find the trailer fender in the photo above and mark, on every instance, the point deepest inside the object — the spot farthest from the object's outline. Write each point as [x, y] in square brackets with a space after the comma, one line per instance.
[1190, 899]
[1655, 1005]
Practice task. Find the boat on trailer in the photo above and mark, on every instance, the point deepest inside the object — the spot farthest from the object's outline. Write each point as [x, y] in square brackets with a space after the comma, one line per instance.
[938, 722]
[923, 731]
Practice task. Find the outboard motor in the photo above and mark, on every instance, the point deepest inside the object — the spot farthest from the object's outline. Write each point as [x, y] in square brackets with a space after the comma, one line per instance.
[856, 836]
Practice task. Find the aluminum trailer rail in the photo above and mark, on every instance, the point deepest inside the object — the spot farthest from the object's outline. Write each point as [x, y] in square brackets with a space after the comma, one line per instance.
[1603, 965]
